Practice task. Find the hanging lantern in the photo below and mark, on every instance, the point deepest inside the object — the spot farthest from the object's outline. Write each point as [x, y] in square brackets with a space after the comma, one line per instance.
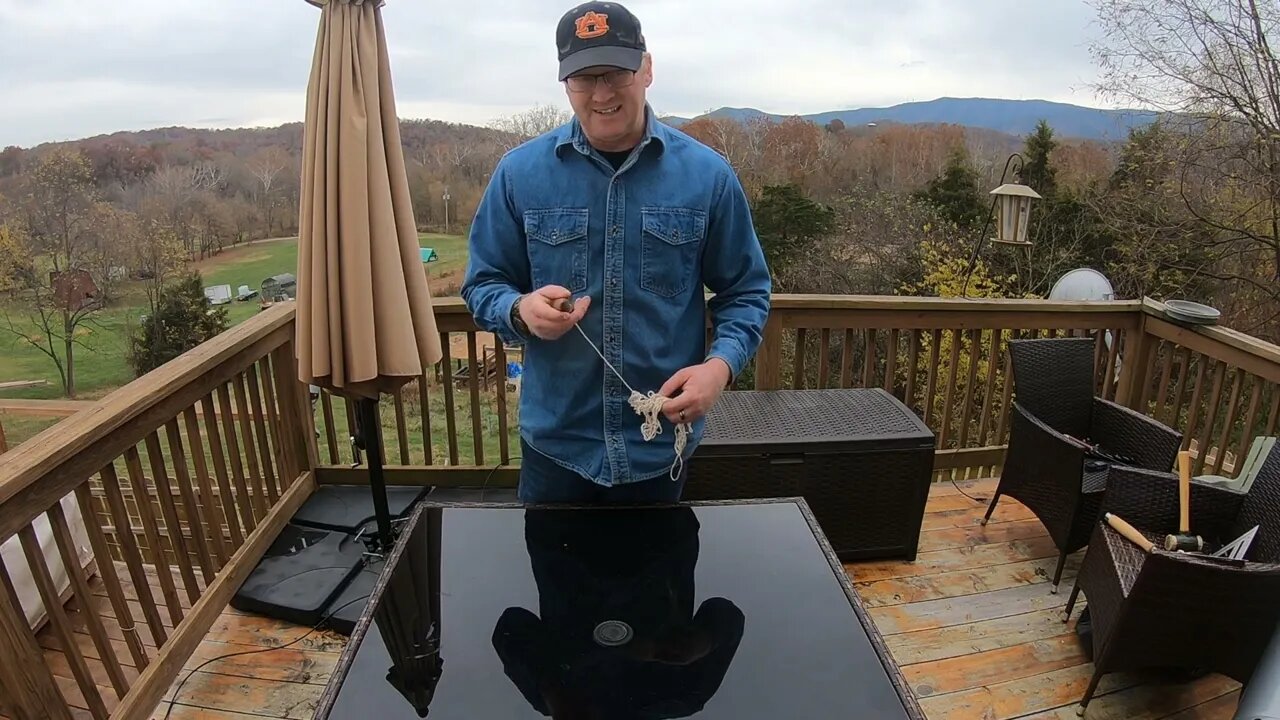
[1014, 213]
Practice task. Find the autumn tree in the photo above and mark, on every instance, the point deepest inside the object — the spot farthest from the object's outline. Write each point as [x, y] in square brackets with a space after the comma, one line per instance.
[59, 208]
[16, 270]
[157, 256]
[1211, 66]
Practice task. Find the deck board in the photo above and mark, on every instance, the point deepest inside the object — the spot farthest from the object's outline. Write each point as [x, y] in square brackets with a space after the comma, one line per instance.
[977, 633]
[971, 623]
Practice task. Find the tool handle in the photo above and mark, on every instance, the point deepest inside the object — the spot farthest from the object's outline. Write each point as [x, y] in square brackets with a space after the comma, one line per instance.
[1129, 531]
[1184, 491]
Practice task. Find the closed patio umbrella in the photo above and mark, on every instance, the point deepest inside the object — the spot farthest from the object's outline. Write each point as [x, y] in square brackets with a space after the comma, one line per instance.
[365, 323]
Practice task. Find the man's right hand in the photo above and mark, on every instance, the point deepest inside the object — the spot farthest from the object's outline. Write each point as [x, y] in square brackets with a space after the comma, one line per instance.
[541, 311]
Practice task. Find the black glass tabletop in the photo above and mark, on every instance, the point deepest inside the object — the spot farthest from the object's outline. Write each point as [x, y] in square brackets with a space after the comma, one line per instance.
[701, 610]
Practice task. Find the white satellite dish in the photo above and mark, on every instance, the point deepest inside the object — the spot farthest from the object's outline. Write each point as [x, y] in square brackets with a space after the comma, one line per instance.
[1083, 284]
[1086, 284]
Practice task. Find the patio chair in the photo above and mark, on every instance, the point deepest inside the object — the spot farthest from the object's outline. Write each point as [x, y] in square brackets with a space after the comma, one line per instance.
[1175, 610]
[1063, 437]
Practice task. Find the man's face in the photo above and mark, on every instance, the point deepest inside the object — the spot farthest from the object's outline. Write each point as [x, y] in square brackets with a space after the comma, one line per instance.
[611, 112]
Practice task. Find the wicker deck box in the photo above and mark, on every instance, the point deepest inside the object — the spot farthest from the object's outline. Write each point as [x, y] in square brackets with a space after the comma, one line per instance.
[859, 457]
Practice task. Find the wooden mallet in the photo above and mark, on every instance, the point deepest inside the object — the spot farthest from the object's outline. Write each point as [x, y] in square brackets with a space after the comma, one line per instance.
[1129, 532]
[1184, 541]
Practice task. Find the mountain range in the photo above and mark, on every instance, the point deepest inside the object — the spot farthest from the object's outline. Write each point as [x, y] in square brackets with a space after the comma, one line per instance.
[1016, 117]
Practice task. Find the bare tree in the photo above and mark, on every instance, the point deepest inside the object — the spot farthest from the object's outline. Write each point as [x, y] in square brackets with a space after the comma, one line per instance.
[530, 123]
[266, 165]
[1210, 65]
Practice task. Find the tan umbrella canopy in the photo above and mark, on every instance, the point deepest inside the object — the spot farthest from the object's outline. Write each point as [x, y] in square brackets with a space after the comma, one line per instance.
[365, 323]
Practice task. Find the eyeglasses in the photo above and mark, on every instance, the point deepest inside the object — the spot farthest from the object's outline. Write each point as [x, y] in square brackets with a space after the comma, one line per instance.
[587, 83]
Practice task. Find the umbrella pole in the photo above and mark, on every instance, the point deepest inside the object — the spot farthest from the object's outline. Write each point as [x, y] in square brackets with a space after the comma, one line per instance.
[370, 434]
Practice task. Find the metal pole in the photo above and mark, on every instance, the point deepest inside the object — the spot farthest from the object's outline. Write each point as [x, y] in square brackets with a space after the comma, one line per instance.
[371, 438]
[446, 210]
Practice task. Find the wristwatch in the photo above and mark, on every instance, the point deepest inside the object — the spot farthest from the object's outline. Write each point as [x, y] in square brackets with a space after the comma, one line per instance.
[518, 322]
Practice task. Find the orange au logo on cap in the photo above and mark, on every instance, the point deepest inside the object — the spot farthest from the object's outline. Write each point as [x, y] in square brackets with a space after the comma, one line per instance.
[593, 24]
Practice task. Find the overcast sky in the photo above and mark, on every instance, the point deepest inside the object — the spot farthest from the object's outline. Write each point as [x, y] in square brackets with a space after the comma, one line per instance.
[76, 68]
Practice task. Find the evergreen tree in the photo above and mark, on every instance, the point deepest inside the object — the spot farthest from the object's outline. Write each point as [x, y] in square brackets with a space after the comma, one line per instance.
[1038, 172]
[182, 320]
[787, 221]
[955, 192]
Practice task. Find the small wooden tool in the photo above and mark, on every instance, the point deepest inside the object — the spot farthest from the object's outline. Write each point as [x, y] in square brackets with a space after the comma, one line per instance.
[1184, 541]
[1129, 531]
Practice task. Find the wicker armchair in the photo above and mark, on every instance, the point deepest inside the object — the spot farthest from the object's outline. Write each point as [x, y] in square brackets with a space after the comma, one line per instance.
[1176, 610]
[1047, 467]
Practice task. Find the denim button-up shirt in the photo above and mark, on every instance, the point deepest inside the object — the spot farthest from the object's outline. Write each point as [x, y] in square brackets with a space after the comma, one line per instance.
[645, 243]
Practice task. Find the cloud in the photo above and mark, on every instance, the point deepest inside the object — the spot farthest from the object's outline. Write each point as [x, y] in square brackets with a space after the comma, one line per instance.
[71, 68]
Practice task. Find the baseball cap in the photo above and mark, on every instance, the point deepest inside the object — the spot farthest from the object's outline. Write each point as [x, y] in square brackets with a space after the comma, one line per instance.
[599, 33]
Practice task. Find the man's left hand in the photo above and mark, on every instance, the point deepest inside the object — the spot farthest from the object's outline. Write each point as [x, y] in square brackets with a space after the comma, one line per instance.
[693, 390]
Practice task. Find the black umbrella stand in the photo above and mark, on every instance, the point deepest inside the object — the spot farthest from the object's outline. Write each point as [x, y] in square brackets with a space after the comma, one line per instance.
[368, 437]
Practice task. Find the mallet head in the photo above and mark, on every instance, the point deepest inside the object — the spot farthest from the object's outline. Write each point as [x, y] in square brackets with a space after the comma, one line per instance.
[1183, 543]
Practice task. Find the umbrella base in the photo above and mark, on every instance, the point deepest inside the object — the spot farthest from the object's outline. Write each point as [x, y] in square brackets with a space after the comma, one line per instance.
[317, 569]
[346, 508]
[301, 575]
[346, 608]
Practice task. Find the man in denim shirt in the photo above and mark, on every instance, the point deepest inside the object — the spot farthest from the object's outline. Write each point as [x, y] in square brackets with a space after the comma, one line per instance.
[635, 220]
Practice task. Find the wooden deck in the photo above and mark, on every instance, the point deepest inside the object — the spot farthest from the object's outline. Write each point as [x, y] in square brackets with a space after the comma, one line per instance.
[977, 633]
[971, 623]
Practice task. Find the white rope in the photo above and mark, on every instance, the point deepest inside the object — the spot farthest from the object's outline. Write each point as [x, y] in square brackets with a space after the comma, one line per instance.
[648, 406]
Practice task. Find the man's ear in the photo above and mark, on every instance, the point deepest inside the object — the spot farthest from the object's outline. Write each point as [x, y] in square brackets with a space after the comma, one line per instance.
[646, 67]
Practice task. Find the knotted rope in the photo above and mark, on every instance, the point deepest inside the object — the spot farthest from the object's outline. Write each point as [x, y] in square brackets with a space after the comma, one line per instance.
[646, 405]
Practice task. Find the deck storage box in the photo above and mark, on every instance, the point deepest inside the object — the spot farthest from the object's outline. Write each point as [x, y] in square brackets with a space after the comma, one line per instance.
[859, 457]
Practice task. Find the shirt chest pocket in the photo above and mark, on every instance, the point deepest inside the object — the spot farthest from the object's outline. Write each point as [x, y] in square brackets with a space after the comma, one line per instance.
[557, 247]
[671, 243]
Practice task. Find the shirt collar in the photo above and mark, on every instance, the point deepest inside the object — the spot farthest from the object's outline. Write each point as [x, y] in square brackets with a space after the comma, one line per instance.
[571, 135]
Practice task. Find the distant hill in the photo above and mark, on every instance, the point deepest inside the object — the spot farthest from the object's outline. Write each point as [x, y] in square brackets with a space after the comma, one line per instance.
[1017, 117]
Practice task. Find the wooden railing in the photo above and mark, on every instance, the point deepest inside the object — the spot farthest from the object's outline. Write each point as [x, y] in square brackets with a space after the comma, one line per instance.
[223, 444]
[1219, 387]
[945, 358]
[223, 430]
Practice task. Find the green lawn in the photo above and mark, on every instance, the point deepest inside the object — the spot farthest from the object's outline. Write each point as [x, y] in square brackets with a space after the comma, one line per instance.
[100, 357]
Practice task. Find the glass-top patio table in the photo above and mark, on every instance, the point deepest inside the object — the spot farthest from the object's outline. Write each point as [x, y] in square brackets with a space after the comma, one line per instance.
[732, 610]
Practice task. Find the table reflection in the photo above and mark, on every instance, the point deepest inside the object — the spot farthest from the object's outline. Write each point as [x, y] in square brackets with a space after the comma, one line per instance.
[616, 634]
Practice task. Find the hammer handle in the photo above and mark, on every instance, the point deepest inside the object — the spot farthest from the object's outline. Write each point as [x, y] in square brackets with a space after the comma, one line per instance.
[1130, 532]
[1184, 491]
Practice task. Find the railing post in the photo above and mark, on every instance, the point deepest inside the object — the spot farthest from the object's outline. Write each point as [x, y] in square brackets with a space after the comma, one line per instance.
[1138, 347]
[32, 692]
[769, 356]
[297, 422]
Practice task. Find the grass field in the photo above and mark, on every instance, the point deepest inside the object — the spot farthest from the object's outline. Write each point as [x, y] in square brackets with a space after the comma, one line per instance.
[100, 359]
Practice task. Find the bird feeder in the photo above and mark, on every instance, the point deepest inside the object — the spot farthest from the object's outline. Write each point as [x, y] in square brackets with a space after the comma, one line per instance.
[1014, 212]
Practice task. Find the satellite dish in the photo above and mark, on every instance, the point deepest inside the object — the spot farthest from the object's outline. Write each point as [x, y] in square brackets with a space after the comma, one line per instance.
[1083, 284]
[1086, 284]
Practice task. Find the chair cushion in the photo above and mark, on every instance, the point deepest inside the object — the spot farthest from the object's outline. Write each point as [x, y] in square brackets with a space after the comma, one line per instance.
[1258, 451]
